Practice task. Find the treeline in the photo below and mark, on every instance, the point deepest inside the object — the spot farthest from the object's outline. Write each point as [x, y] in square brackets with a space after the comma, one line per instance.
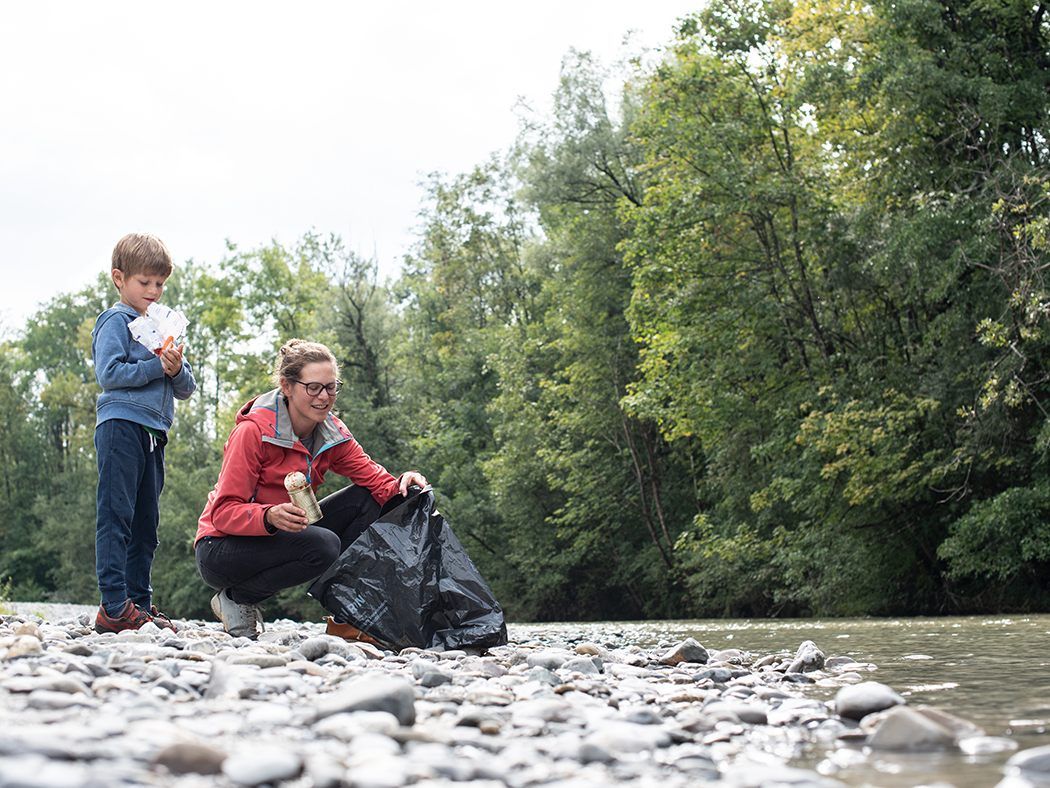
[763, 333]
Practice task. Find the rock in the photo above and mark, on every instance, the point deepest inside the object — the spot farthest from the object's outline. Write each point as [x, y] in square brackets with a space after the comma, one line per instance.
[24, 646]
[905, 728]
[859, 700]
[259, 660]
[260, 765]
[627, 737]
[186, 757]
[394, 695]
[584, 665]
[1033, 764]
[551, 660]
[686, 651]
[717, 675]
[807, 659]
[27, 628]
[751, 713]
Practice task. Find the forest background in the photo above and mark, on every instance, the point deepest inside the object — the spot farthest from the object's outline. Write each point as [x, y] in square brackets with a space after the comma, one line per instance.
[763, 332]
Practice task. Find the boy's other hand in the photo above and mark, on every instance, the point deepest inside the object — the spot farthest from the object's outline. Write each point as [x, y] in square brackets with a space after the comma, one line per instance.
[171, 360]
[286, 517]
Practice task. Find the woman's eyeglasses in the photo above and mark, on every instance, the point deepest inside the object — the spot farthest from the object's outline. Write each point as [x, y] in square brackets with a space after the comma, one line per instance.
[314, 389]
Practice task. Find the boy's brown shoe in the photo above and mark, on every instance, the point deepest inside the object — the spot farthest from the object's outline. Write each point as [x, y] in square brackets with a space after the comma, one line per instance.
[160, 619]
[131, 617]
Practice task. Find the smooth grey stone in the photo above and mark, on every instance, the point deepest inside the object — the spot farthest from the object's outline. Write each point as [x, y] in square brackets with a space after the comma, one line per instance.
[627, 737]
[751, 713]
[837, 663]
[717, 675]
[260, 765]
[260, 660]
[689, 650]
[769, 659]
[643, 717]
[190, 757]
[584, 665]
[859, 700]
[552, 660]
[905, 728]
[1034, 762]
[345, 726]
[436, 678]
[543, 676]
[313, 648]
[591, 752]
[370, 693]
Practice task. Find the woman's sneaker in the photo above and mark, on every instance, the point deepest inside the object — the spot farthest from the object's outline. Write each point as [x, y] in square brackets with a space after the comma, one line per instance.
[130, 617]
[241, 621]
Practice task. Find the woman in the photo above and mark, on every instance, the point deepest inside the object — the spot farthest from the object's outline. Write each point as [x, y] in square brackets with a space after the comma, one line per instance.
[251, 540]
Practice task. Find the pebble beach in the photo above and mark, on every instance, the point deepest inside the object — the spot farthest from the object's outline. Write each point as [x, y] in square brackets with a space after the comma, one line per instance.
[301, 708]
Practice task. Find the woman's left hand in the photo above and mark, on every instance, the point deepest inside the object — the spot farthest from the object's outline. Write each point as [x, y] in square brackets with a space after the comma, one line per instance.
[409, 478]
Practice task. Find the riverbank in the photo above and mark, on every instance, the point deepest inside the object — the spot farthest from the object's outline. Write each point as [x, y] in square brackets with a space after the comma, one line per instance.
[300, 708]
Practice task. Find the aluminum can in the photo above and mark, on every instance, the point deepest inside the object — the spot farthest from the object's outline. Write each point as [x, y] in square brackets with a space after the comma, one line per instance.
[302, 495]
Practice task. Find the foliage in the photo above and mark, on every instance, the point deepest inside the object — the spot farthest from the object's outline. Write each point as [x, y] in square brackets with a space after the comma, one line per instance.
[758, 327]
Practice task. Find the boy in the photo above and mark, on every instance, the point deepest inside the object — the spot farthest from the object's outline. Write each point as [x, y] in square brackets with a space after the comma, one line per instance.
[135, 411]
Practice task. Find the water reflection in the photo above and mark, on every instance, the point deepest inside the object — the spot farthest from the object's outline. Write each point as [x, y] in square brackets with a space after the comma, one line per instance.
[992, 671]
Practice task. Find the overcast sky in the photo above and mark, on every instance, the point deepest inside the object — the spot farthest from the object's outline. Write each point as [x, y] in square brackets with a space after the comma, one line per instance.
[256, 120]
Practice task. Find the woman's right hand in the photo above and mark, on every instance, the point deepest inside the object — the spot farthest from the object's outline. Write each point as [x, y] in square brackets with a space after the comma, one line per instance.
[286, 517]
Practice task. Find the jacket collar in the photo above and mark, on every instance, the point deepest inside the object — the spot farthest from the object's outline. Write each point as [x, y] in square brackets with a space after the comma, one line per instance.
[328, 432]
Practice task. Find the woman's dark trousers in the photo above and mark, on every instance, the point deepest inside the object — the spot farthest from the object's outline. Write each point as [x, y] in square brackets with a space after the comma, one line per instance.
[254, 568]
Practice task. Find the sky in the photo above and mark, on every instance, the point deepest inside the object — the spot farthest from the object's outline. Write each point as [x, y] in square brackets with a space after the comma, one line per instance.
[258, 121]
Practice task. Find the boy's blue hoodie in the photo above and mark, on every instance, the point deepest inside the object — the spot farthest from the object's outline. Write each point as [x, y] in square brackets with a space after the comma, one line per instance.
[134, 386]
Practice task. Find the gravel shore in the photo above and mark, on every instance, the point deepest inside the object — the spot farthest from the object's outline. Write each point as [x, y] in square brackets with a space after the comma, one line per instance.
[300, 708]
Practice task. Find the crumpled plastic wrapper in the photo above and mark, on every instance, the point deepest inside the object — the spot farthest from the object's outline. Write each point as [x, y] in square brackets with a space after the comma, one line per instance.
[159, 328]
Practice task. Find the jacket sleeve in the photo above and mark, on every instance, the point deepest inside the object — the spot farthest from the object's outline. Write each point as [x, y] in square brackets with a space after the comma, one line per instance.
[111, 350]
[351, 461]
[184, 383]
[233, 511]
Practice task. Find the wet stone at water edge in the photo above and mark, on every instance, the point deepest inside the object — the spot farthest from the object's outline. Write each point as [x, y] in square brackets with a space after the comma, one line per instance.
[300, 708]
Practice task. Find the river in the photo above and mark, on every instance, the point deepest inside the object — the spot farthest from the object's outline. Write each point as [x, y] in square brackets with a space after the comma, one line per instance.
[992, 671]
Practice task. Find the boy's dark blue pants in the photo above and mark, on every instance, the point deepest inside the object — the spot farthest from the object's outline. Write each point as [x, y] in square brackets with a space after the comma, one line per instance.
[130, 479]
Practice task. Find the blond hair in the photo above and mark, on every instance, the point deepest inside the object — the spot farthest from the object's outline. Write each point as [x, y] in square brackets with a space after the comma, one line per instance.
[142, 253]
[296, 354]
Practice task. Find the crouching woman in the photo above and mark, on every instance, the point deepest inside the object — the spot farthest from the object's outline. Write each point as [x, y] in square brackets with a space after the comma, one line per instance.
[251, 540]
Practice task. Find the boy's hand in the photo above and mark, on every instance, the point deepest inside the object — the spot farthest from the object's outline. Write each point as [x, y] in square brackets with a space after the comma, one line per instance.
[171, 360]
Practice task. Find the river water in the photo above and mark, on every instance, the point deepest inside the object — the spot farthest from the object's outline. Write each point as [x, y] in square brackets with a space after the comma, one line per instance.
[992, 671]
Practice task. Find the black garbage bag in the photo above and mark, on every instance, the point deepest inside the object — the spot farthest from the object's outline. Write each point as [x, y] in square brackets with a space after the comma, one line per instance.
[407, 581]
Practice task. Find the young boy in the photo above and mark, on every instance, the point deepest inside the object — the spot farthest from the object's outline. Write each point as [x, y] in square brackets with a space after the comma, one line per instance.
[135, 411]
